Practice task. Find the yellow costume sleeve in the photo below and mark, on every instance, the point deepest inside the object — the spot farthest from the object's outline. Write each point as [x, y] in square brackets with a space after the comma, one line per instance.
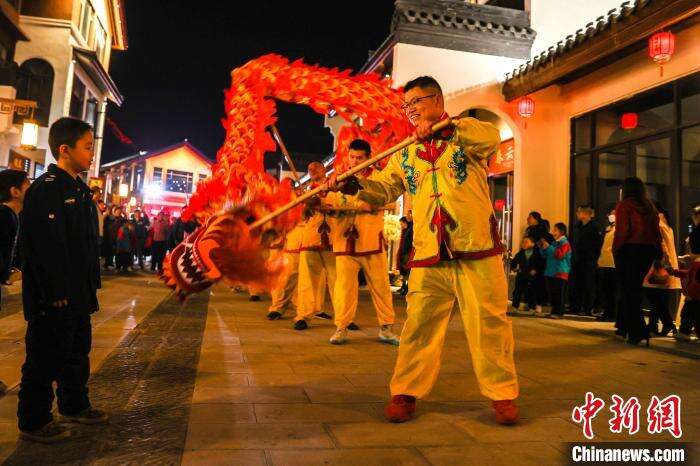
[385, 186]
[477, 138]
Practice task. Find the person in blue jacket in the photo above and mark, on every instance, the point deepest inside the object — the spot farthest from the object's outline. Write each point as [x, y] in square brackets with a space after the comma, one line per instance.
[557, 269]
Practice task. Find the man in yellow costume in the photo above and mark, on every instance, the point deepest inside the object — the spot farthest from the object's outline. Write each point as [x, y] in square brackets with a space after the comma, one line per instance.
[284, 296]
[316, 258]
[358, 244]
[456, 253]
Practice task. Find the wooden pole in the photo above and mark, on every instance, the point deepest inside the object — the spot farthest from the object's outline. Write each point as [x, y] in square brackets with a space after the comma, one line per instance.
[343, 176]
[278, 137]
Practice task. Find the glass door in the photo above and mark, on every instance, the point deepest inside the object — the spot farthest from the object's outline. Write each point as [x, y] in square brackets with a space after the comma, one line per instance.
[613, 166]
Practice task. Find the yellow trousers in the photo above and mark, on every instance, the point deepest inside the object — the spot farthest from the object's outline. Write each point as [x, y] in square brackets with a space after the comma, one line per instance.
[284, 296]
[376, 272]
[479, 287]
[312, 265]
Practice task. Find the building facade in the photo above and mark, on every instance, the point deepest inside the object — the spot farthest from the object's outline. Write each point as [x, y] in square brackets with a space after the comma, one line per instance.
[156, 180]
[63, 67]
[583, 64]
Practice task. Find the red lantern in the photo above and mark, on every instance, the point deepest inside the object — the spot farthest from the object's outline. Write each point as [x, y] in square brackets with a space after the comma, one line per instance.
[499, 204]
[629, 120]
[661, 47]
[526, 107]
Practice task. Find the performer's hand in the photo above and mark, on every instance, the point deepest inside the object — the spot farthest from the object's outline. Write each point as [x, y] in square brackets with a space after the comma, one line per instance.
[349, 186]
[331, 183]
[60, 303]
[424, 130]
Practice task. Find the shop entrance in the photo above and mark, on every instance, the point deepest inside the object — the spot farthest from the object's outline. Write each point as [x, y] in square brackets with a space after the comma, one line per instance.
[501, 189]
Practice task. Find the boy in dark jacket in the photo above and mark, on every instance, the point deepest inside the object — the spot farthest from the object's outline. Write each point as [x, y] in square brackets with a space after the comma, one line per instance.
[529, 265]
[61, 275]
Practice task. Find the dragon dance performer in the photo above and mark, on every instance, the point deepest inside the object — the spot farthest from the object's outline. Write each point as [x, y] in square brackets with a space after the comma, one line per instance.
[316, 258]
[284, 296]
[358, 244]
[456, 255]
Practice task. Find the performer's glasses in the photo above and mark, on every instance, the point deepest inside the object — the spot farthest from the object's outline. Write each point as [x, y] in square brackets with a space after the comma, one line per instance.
[409, 105]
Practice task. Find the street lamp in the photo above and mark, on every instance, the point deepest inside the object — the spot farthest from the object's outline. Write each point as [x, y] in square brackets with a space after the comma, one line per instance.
[30, 134]
[30, 127]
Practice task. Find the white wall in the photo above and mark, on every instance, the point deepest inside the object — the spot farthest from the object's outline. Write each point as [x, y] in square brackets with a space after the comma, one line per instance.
[453, 69]
[553, 20]
[49, 40]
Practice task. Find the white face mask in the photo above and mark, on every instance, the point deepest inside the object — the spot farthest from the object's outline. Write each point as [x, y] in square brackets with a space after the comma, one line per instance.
[611, 218]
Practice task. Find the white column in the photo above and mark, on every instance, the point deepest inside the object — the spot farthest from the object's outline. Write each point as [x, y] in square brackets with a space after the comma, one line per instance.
[99, 135]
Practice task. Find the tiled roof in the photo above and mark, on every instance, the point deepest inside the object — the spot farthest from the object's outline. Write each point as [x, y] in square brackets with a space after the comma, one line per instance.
[573, 41]
[147, 155]
[457, 15]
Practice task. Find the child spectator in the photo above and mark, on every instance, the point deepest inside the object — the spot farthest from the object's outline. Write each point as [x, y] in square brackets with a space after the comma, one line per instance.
[690, 314]
[124, 241]
[558, 257]
[529, 266]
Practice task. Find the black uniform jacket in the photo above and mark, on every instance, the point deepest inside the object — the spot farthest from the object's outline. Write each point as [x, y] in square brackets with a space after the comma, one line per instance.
[58, 237]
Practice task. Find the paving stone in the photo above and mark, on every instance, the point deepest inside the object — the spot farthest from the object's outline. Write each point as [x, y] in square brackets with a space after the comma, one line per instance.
[319, 412]
[484, 429]
[352, 457]
[224, 458]
[227, 436]
[347, 394]
[221, 380]
[222, 413]
[423, 430]
[250, 395]
[503, 454]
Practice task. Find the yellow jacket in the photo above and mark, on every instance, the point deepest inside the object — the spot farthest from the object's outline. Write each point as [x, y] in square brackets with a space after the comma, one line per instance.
[356, 233]
[316, 229]
[447, 179]
[606, 260]
[292, 241]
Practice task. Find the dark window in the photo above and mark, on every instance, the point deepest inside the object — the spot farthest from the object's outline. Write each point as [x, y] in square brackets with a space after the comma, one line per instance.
[663, 150]
[77, 98]
[35, 82]
[583, 133]
[654, 112]
[653, 166]
[690, 101]
[582, 179]
[690, 174]
[178, 182]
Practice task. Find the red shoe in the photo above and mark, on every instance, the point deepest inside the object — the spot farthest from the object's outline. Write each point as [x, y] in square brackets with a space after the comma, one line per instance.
[400, 408]
[506, 412]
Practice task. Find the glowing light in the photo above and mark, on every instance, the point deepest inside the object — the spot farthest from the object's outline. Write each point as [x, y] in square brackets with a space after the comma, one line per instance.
[123, 189]
[30, 134]
[153, 190]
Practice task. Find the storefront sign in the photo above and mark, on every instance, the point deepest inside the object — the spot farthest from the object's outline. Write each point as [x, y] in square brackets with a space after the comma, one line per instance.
[503, 161]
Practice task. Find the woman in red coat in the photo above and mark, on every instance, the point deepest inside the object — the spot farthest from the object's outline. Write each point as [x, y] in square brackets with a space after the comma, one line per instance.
[637, 243]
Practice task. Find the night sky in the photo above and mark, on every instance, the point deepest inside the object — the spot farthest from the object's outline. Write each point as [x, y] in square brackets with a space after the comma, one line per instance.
[181, 54]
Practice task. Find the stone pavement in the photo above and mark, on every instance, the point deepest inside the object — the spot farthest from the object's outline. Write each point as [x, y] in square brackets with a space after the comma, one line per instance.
[214, 382]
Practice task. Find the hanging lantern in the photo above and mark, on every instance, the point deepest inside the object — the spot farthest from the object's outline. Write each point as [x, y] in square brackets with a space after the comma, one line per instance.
[526, 107]
[629, 121]
[661, 47]
[30, 134]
